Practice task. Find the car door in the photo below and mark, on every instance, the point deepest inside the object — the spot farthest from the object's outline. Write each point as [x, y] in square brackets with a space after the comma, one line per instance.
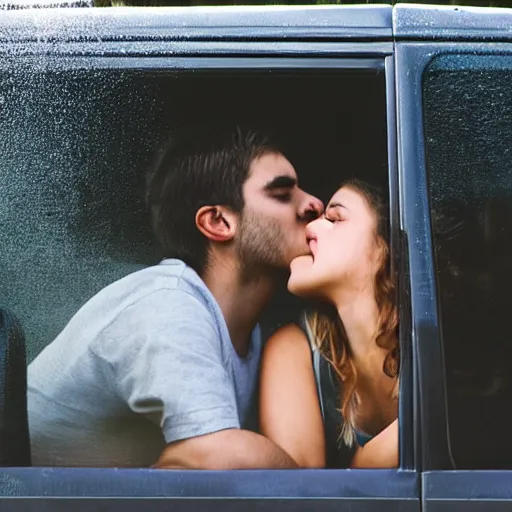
[454, 70]
[78, 106]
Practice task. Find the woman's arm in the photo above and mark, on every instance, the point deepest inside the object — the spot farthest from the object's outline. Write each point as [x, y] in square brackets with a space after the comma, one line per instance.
[380, 452]
[289, 408]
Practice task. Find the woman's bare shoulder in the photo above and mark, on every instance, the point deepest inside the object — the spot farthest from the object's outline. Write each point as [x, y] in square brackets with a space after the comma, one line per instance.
[289, 340]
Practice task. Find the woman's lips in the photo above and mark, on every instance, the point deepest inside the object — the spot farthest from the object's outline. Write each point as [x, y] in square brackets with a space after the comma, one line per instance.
[311, 241]
[312, 246]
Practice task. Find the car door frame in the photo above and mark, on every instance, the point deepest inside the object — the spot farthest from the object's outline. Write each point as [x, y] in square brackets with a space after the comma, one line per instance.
[127, 489]
[443, 486]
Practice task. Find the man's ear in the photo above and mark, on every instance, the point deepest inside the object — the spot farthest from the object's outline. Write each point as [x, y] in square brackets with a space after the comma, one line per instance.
[217, 223]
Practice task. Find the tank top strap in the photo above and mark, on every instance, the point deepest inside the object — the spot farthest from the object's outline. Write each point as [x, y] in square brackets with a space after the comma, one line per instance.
[315, 358]
[328, 389]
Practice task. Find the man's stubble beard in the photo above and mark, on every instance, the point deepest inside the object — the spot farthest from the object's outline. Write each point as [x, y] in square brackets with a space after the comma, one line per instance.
[260, 249]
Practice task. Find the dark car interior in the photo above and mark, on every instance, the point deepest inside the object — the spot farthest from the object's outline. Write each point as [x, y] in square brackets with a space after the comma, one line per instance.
[76, 145]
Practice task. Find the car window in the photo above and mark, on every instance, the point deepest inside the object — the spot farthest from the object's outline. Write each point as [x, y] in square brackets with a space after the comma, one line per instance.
[76, 145]
[468, 134]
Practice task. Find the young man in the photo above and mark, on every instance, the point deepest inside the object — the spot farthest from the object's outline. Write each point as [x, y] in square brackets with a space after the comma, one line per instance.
[160, 367]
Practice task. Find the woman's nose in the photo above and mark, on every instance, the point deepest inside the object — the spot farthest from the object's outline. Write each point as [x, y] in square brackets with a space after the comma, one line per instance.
[312, 227]
[316, 227]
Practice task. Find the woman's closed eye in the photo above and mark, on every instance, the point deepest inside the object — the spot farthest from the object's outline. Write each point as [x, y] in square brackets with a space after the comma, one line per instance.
[334, 212]
[333, 218]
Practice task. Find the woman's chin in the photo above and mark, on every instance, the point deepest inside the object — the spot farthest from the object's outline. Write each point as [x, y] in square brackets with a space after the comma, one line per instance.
[299, 282]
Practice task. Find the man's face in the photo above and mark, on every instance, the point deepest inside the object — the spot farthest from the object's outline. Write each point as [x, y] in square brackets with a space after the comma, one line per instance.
[275, 214]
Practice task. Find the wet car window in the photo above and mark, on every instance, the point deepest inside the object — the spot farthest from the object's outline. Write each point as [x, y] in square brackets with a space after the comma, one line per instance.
[468, 132]
[75, 145]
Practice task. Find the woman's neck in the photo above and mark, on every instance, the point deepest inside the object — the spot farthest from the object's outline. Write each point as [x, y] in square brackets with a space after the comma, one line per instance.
[360, 316]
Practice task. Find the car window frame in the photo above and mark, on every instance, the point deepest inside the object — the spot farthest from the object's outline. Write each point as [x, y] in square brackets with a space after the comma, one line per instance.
[383, 488]
[443, 485]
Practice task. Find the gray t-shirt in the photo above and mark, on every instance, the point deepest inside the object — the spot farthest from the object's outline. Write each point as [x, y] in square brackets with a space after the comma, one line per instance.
[147, 361]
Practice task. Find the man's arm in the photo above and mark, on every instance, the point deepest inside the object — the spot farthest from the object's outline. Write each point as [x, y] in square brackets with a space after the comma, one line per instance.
[226, 449]
[171, 370]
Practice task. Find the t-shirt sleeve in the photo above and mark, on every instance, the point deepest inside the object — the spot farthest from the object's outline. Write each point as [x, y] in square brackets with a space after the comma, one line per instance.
[166, 356]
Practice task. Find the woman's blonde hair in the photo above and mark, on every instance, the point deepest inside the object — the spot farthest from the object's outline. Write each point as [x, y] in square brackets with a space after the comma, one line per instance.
[328, 333]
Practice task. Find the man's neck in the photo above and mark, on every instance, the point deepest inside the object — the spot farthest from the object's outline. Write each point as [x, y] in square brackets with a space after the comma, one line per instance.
[241, 300]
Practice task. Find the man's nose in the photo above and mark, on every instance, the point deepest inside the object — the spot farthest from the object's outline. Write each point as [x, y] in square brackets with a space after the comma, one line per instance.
[311, 208]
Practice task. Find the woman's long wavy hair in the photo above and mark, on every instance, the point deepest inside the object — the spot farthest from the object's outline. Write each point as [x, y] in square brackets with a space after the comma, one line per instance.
[328, 333]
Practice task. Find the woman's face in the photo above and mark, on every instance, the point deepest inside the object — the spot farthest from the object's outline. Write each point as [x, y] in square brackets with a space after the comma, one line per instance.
[344, 250]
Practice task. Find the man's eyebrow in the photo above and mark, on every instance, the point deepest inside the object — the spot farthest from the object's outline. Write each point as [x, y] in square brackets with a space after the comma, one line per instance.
[281, 182]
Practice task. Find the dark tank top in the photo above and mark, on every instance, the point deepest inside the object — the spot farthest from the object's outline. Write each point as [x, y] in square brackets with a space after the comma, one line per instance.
[338, 454]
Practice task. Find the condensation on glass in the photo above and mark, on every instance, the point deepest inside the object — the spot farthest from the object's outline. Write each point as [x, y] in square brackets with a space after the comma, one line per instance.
[72, 146]
[468, 130]
[76, 142]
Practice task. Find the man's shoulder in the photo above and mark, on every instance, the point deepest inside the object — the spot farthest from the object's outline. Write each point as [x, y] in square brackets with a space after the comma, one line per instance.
[169, 281]
[157, 298]
[168, 274]
[171, 278]
[160, 294]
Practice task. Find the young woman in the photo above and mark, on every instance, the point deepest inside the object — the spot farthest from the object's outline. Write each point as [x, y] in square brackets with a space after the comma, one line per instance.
[329, 385]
